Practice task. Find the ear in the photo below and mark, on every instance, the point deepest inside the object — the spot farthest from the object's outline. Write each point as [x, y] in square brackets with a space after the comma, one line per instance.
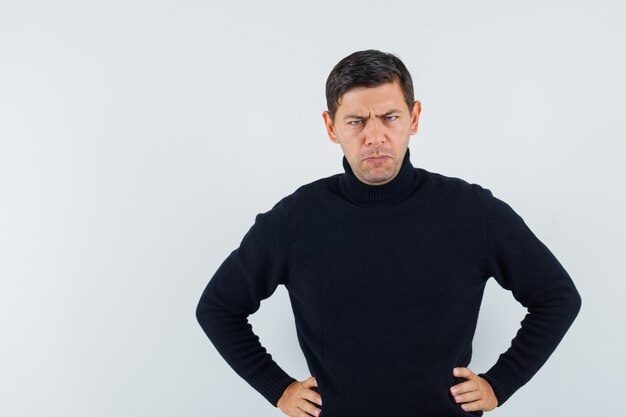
[330, 127]
[415, 115]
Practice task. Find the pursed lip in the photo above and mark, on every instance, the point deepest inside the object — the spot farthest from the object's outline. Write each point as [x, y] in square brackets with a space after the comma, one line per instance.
[377, 156]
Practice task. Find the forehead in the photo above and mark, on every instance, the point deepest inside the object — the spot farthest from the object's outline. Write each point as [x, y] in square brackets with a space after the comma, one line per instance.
[381, 97]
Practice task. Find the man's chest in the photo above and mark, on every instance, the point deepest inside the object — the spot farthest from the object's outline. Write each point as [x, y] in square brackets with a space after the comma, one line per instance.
[414, 254]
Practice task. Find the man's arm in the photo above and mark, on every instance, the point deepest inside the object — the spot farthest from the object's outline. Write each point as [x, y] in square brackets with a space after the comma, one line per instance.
[522, 264]
[248, 275]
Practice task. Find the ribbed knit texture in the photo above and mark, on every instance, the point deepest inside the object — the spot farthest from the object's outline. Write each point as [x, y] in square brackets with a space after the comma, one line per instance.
[385, 283]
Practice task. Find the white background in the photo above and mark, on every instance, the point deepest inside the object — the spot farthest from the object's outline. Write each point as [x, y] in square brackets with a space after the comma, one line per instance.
[138, 140]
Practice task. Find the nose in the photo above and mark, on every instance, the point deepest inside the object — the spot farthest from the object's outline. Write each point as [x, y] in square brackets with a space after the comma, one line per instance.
[374, 132]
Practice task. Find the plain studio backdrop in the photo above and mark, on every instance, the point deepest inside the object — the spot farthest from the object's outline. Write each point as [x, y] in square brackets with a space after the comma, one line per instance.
[140, 139]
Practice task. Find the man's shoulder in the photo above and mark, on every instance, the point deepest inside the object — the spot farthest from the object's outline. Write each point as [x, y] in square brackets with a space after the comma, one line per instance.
[316, 190]
[316, 186]
[442, 182]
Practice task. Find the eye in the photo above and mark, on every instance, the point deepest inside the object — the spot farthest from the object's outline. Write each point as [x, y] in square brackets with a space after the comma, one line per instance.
[391, 117]
[355, 122]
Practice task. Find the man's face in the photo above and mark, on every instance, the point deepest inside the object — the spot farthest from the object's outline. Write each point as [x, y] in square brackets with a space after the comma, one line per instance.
[373, 127]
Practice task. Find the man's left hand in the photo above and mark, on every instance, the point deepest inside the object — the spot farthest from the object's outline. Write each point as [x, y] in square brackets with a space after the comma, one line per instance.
[475, 393]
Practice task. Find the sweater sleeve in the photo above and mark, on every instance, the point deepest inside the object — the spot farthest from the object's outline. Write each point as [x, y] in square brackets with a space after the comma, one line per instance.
[248, 275]
[522, 264]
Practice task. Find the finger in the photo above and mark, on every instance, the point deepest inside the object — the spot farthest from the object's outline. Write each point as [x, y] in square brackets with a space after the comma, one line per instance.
[302, 413]
[310, 382]
[472, 406]
[465, 386]
[468, 397]
[308, 407]
[463, 372]
[312, 396]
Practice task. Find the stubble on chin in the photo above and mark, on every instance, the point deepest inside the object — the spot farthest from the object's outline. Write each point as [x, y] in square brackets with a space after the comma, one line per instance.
[378, 174]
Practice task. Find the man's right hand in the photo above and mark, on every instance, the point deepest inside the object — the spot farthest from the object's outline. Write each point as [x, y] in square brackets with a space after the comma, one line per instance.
[295, 400]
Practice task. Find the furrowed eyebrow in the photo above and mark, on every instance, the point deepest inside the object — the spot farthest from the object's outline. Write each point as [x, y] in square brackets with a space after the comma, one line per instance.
[356, 116]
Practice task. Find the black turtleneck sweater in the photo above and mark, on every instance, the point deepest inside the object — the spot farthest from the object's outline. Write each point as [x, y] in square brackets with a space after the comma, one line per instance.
[385, 283]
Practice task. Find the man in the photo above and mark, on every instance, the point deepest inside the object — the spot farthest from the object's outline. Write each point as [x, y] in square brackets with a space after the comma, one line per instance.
[385, 265]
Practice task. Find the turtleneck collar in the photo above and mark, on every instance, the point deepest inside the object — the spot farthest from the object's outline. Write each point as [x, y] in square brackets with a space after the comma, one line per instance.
[390, 193]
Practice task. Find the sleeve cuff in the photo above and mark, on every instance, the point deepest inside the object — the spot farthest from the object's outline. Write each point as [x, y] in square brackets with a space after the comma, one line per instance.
[271, 382]
[502, 381]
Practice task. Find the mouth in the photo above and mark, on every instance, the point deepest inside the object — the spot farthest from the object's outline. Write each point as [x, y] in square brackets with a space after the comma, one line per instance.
[377, 158]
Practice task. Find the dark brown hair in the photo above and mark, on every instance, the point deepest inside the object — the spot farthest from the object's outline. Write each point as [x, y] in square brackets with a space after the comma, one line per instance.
[369, 68]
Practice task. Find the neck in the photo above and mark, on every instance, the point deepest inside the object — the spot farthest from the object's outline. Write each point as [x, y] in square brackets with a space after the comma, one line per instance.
[389, 193]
